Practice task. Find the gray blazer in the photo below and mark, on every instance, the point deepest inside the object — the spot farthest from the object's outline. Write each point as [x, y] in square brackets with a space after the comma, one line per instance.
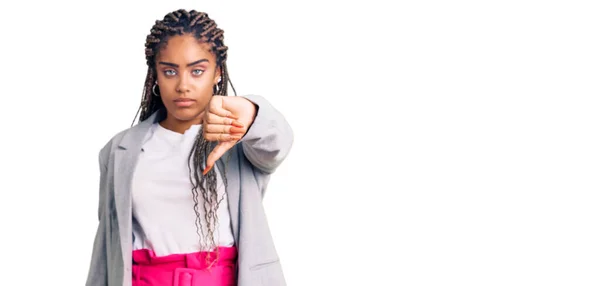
[252, 161]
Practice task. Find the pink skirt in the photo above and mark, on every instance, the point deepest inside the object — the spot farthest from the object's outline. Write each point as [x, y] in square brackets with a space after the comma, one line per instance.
[184, 269]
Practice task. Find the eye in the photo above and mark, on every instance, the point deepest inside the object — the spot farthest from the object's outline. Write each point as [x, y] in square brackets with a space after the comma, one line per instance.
[197, 72]
[170, 72]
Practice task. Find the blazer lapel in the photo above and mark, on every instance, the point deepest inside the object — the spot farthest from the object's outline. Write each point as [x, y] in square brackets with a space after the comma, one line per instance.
[232, 187]
[126, 158]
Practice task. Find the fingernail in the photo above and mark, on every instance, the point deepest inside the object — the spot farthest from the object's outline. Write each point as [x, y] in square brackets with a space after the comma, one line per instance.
[236, 130]
[238, 124]
[206, 170]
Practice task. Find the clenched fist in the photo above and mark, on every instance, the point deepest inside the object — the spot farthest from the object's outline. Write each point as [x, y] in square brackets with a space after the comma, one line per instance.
[226, 119]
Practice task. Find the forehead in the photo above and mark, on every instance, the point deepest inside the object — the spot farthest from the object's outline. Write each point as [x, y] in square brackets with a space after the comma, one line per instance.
[184, 49]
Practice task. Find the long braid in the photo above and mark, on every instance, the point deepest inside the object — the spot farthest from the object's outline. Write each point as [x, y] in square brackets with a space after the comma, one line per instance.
[204, 29]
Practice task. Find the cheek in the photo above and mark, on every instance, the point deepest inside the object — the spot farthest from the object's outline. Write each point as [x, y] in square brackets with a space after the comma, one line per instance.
[203, 91]
[167, 89]
[204, 86]
[207, 80]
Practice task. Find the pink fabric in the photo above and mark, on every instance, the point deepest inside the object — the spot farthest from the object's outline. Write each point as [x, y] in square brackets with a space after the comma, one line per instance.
[184, 269]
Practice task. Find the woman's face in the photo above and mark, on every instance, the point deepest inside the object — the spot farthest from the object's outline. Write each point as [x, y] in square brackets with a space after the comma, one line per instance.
[186, 73]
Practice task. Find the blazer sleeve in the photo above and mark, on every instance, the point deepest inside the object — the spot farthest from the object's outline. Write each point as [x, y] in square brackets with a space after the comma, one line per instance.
[269, 139]
[97, 273]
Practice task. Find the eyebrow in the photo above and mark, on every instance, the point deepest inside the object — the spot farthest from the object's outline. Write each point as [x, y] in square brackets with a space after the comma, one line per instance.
[189, 65]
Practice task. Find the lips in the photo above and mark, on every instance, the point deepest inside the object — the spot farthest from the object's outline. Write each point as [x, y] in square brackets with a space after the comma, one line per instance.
[184, 102]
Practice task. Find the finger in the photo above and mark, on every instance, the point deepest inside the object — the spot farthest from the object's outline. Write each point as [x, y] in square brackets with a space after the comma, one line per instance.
[221, 110]
[216, 119]
[216, 154]
[220, 128]
[222, 137]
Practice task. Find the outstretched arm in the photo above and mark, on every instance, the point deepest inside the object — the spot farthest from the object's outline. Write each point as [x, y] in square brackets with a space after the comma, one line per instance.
[263, 132]
[270, 137]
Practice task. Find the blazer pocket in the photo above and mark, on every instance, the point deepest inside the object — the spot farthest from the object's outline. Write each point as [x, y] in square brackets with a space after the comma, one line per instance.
[264, 264]
[268, 273]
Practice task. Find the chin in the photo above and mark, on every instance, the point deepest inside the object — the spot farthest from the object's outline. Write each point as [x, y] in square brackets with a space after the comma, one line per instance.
[186, 114]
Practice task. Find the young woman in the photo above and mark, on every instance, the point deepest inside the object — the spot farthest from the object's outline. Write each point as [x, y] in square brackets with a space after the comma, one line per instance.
[181, 192]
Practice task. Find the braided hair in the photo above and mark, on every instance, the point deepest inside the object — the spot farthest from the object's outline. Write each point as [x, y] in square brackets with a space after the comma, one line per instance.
[204, 29]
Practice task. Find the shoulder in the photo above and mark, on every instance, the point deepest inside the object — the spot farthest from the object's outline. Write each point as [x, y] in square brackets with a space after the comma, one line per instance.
[126, 136]
[112, 144]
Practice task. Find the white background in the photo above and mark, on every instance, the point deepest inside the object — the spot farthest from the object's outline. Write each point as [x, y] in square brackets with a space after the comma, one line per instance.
[436, 142]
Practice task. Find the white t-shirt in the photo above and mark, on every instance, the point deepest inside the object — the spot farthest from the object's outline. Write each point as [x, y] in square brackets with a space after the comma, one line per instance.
[163, 206]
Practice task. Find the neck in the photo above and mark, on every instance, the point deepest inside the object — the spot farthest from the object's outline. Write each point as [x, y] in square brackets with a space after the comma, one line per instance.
[177, 125]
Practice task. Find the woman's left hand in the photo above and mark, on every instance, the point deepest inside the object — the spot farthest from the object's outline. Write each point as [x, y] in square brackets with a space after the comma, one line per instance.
[226, 119]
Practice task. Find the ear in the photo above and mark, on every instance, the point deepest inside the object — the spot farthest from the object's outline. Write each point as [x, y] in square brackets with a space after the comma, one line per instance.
[217, 75]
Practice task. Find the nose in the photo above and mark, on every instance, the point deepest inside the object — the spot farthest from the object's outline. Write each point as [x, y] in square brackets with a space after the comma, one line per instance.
[183, 85]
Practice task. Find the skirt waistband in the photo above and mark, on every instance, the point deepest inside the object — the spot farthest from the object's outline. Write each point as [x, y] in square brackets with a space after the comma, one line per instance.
[189, 269]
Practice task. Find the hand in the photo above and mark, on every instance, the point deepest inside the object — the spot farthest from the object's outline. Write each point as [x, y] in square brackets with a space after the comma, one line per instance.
[226, 119]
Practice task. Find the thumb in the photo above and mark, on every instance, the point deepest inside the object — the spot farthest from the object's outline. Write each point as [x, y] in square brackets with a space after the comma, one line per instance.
[216, 153]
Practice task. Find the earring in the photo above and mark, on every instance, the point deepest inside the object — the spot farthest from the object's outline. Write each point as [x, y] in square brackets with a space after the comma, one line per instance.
[154, 89]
